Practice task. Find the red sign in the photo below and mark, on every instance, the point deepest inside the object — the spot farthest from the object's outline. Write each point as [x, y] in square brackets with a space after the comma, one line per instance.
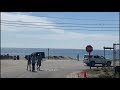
[89, 48]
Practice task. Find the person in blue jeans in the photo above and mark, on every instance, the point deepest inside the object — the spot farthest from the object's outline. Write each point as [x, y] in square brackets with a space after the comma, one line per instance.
[33, 63]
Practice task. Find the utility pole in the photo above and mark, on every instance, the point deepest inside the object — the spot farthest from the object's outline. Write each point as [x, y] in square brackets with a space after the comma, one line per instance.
[104, 51]
[119, 42]
[119, 38]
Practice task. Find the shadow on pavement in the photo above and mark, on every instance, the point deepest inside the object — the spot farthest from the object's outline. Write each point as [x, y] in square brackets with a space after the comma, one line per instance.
[98, 66]
[40, 70]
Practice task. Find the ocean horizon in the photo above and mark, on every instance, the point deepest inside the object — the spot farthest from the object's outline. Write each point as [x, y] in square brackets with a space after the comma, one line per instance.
[55, 52]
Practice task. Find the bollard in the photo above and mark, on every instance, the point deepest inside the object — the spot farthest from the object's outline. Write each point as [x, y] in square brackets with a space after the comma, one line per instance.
[18, 57]
[14, 57]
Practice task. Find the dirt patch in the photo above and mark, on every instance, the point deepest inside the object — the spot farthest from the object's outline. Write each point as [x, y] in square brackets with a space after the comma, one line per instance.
[94, 73]
[100, 73]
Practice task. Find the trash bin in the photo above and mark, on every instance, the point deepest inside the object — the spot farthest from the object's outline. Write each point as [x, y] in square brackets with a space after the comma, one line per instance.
[18, 57]
[14, 57]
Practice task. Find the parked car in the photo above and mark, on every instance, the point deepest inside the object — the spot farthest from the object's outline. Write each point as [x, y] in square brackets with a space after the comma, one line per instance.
[96, 59]
[37, 53]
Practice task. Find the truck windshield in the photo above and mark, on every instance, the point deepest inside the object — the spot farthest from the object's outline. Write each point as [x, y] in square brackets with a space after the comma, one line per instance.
[87, 56]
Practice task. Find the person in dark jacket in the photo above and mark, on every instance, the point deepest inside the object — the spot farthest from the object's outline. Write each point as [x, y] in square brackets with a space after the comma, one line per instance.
[33, 63]
[29, 62]
[39, 60]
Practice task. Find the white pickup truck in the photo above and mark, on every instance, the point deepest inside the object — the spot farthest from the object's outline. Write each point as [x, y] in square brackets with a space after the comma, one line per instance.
[95, 59]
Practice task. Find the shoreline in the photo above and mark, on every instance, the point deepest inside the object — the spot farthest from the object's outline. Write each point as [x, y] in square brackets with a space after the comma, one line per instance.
[50, 57]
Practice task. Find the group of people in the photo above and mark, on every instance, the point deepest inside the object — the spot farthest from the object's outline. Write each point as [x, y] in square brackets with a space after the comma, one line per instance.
[34, 60]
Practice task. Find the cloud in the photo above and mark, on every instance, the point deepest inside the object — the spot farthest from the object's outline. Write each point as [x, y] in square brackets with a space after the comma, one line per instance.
[74, 37]
[28, 18]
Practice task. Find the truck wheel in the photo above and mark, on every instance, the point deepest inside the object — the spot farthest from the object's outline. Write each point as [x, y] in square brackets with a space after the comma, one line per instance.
[103, 65]
[92, 64]
[88, 64]
[108, 63]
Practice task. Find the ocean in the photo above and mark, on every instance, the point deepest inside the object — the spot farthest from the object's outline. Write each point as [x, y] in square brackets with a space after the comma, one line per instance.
[55, 52]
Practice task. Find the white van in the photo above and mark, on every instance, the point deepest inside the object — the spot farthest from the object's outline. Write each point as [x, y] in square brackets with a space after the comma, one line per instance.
[96, 59]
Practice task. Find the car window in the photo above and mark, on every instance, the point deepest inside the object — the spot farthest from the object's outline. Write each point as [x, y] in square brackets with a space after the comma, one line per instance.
[87, 56]
[96, 56]
[102, 57]
[90, 56]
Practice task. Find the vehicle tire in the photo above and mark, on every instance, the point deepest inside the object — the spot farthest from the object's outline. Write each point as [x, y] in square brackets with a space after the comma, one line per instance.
[92, 64]
[103, 65]
[108, 63]
[88, 64]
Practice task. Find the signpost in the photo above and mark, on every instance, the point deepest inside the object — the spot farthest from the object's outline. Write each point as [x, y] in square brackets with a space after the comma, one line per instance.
[89, 49]
[48, 53]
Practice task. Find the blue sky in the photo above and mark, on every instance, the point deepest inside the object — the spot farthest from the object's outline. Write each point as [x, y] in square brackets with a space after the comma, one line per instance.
[53, 32]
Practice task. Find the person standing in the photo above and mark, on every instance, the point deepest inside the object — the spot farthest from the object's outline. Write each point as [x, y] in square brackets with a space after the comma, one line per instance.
[78, 57]
[29, 63]
[33, 63]
[39, 60]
